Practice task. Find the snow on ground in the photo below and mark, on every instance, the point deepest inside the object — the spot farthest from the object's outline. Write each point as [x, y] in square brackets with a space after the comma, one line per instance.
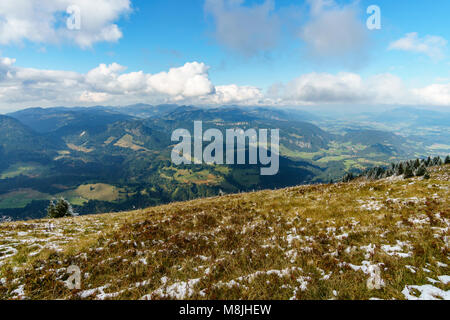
[178, 290]
[444, 279]
[41, 235]
[426, 292]
[371, 205]
[397, 250]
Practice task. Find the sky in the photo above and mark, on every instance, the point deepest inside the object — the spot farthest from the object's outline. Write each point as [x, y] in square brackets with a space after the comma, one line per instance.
[305, 53]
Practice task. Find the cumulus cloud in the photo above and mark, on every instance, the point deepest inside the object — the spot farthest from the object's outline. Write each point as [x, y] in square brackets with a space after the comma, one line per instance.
[432, 46]
[351, 88]
[247, 30]
[325, 88]
[190, 84]
[335, 33]
[44, 21]
[233, 94]
[435, 94]
[188, 81]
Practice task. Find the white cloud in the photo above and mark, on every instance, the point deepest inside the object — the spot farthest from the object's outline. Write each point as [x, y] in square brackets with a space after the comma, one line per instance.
[432, 46]
[96, 97]
[190, 84]
[335, 34]
[325, 88]
[44, 21]
[233, 94]
[351, 88]
[435, 94]
[189, 81]
[247, 30]
[20, 87]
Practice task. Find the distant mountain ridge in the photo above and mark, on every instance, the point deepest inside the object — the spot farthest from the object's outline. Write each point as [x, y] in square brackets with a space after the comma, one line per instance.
[68, 119]
[17, 137]
[412, 116]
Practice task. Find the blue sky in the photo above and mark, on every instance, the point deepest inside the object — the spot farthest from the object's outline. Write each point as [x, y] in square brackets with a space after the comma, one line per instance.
[271, 52]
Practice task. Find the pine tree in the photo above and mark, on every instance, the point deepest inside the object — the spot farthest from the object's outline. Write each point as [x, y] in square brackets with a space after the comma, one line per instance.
[409, 173]
[380, 173]
[420, 172]
[389, 173]
[348, 177]
[400, 169]
[437, 161]
[447, 160]
[60, 210]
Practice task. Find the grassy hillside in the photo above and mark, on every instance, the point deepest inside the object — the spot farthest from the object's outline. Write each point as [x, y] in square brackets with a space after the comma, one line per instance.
[387, 239]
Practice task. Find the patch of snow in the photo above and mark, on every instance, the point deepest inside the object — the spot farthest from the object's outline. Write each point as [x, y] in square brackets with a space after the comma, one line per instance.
[88, 293]
[342, 236]
[279, 273]
[19, 293]
[178, 290]
[444, 279]
[427, 292]
[371, 205]
[303, 281]
[369, 249]
[431, 280]
[397, 250]
[411, 268]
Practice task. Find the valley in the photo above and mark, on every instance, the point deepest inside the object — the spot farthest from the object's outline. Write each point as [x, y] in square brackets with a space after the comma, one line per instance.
[62, 152]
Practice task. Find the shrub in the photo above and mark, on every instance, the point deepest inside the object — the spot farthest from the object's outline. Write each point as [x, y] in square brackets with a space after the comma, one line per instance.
[60, 210]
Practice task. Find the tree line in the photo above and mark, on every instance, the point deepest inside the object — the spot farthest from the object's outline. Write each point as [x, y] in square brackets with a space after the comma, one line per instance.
[407, 169]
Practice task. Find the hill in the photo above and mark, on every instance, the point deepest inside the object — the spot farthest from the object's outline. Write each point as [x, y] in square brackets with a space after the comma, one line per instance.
[385, 239]
[18, 140]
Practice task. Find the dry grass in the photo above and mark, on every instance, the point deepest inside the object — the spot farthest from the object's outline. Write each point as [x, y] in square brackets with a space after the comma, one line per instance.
[308, 242]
